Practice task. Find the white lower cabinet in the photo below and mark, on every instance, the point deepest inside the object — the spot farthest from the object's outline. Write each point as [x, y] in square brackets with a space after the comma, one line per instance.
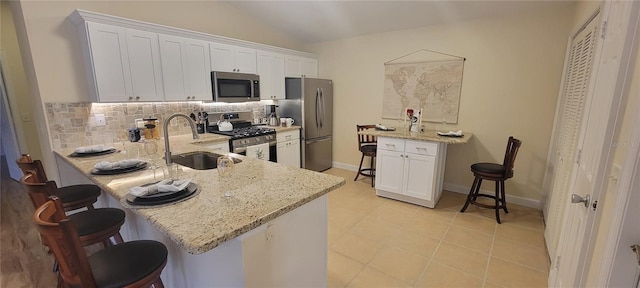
[410, 171]
[288, 148]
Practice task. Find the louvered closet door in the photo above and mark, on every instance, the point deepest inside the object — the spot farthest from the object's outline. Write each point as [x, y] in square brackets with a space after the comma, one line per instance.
[565, 133]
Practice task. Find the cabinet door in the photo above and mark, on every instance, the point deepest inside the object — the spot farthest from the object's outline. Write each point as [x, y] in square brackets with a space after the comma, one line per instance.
[198, 70]
[245, 60]
[271, 71]
[144, 63]
[289, 153]
[309, 67]
[173, 56]
[110, 62]
[420, 174]
[389, 170]
[222, 57]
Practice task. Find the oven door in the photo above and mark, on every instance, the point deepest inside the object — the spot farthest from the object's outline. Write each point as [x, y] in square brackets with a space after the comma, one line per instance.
[265, 151]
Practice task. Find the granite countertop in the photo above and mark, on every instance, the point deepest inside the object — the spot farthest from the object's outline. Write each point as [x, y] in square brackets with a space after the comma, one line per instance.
[284, 129]
[262, 191]
[427, 135]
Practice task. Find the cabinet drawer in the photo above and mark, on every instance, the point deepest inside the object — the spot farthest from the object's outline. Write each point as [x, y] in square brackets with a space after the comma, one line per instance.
[288, 135]
[422, 148]
[391, 144]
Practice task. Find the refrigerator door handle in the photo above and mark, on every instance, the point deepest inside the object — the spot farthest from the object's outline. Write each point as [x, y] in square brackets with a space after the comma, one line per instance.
[317, 107]
[322, 108]
[318, 140]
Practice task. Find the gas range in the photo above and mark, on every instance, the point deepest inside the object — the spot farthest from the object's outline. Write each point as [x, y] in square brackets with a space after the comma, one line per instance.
[245, 135]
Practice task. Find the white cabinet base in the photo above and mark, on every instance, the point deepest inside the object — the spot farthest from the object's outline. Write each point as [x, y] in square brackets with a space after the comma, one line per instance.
[409, 199]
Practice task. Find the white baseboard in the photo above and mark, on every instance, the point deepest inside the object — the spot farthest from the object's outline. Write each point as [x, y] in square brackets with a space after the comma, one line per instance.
[527, 202]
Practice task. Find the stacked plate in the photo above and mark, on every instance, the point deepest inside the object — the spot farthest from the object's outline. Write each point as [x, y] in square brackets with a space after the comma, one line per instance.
[161, 197]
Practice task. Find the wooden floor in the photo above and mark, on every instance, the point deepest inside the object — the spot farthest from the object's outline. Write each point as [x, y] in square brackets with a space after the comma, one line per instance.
[23, 261]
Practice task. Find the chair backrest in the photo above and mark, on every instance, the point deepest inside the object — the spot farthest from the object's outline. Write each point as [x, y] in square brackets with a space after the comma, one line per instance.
[510, 156]
[39, 192]
[27, 164]
[365, 139]
[63, 240]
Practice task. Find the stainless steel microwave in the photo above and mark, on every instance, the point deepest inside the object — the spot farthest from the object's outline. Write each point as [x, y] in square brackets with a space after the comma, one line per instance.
[235, 87]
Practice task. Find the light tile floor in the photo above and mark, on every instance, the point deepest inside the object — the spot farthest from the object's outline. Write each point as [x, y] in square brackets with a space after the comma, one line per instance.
[379, 242]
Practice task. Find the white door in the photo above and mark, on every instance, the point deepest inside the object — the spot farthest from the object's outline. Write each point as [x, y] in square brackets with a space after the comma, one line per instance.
[389, 170]
[110, 62]
[198, 70]
[144, 63]
[246, 60]
[223, 57]
[594, 146]
[420, 174]
[172, 57]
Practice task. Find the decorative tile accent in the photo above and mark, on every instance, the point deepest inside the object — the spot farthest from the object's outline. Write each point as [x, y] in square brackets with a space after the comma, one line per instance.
[69, 122]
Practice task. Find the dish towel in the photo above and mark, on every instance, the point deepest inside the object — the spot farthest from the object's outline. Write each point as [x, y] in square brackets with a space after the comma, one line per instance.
[122, 164]
[166, 185]
[92, 149]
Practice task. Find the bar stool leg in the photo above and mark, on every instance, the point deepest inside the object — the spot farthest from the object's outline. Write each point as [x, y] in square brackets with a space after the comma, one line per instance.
[503, 197]
[471, 192]
[359, 167]
[497, 201]
[372, 172]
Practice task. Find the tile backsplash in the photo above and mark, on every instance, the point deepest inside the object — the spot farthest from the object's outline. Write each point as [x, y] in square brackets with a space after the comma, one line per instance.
[69, 122]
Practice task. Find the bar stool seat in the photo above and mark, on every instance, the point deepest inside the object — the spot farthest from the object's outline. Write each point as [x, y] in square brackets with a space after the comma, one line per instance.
[130, 264]
[73, 196]
[493, 172]
[367, 145]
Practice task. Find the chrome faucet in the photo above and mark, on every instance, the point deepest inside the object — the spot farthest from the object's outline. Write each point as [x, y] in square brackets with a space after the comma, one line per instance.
[167, 151]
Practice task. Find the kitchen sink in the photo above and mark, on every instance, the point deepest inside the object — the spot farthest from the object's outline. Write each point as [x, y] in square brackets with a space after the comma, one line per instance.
[199, 160]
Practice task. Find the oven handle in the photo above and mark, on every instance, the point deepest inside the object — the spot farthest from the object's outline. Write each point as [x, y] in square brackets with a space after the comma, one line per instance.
[239, 150]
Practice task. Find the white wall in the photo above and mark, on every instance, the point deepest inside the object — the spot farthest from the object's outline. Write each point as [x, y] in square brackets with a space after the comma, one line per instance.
[510, 86]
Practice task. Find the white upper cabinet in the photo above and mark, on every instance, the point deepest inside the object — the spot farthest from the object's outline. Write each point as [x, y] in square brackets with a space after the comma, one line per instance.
[185, 68]
[125, 64]
[271, 71]
[144, 63]
[296, 66]
[229, 58]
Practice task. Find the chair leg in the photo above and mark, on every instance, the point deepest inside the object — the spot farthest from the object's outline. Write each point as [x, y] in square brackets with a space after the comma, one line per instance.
[372, 172]
[503, 197]
[359, 167]
[118, 238]
[471, 193]
[497, 201]
[477, 190]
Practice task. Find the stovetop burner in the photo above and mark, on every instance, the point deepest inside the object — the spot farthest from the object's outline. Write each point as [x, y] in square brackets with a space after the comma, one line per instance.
[241, 130]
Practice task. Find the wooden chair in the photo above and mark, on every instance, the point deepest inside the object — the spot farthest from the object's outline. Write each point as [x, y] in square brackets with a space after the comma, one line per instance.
[93, 226]
[130, 264]
[494, 172]
[73, 197]
[367, 145]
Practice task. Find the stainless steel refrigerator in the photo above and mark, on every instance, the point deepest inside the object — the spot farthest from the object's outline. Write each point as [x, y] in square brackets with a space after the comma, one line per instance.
[309, 101]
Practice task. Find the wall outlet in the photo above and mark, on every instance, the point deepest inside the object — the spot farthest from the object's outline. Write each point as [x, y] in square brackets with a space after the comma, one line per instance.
[100, 120]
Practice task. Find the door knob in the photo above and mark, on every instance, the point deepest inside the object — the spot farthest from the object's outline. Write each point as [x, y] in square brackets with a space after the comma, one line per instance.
[636, 248]
[575, 198]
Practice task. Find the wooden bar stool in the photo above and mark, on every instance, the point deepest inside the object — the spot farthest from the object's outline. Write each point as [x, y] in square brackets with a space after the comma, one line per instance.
[73, 197]
[367, 145]
[130, 264]
[493, 172]
[93, 226]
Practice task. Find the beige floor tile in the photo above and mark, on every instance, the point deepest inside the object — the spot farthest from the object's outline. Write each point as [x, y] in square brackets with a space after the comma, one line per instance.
[414, 242]
[372, 278]
[426, 227]
[471, 239]
[356, 247]
[400, 264]
[361, 205]
[404, 206]
[470, 261]
[392, 215]
[343, 218]
[488, 284]
[341, 269]
[475, 223]
[451, 201]
[375, 230]
[442, 215]
[509, 274]
[521, 235]
[439, 275]
[333, 234]
[525, 217]
[522, 254]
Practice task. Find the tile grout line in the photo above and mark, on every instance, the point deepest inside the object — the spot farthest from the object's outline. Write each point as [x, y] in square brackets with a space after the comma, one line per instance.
[424, 270]
[486, 269]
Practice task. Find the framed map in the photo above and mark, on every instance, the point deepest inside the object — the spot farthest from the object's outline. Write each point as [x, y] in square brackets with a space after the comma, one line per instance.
[433, 86]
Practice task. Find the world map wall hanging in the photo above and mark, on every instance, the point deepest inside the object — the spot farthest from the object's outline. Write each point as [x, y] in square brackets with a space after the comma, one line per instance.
[433, 86]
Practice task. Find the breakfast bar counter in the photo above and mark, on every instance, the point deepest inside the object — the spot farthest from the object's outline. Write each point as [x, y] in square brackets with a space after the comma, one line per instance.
[272, 210]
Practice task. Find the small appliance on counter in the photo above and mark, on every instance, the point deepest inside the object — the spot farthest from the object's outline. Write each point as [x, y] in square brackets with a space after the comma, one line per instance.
[272, 119]
[134, 134]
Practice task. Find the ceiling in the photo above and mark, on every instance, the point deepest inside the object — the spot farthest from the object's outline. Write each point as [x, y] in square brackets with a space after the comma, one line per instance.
[317, 21]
